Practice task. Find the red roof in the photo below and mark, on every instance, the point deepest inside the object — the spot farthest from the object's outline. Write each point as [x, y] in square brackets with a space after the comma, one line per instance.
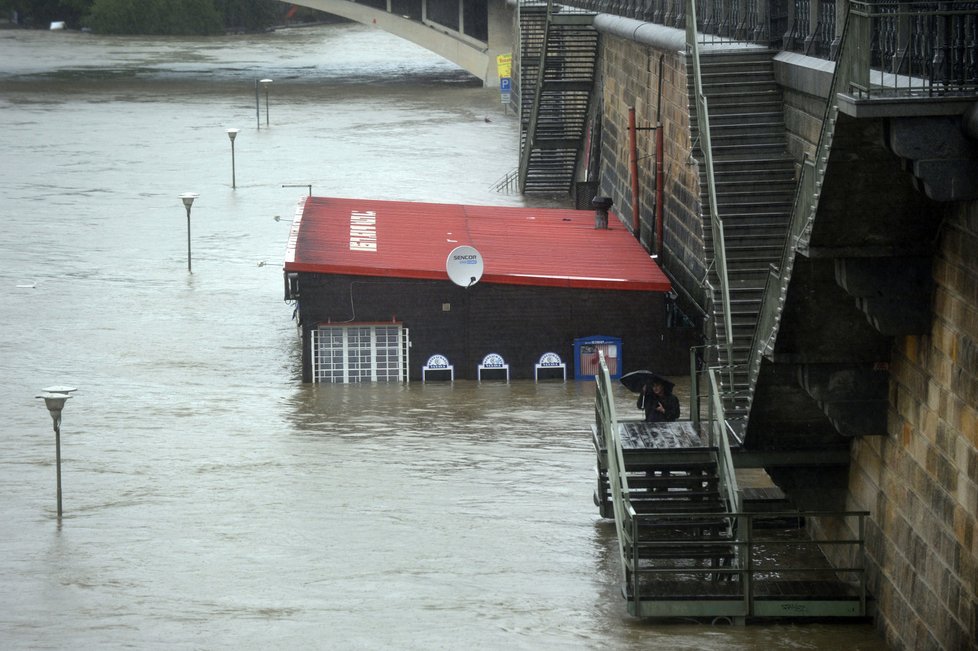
[519, 246]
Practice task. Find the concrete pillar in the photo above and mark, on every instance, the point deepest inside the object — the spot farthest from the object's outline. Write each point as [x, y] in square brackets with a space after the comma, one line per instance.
[502, 32]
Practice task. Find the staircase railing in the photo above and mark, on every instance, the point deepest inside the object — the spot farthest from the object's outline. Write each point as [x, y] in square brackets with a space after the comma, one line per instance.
[757, 560]
[719, 436]
[606, 419]
[531, 127]
[509, 183]
[716, 226]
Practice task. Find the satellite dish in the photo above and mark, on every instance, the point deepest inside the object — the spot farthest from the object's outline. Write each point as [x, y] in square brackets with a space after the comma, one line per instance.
[464, 266]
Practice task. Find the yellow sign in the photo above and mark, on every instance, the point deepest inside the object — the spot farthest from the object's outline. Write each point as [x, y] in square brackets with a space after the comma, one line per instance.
[504, 65]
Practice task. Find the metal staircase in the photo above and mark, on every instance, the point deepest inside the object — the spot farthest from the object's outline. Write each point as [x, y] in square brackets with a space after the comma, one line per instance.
[558, 53]
[687, 546]
[754, 189]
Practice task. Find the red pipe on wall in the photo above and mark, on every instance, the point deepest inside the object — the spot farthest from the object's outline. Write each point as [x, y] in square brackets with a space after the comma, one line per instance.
[659, 188]
[633, 169]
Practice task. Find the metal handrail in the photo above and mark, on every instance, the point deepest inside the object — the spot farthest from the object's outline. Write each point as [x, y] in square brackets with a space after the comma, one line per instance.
[607, 422]
[745, 547]
[741, 541]
[720, 440]
[531, 126]
[508, 183]
[706, 146]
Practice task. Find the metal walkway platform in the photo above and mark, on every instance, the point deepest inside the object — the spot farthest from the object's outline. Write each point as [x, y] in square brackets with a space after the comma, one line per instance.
[688, 545]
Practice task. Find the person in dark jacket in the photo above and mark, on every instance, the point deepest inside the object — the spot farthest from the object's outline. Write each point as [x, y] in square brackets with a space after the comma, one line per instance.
[658, 402]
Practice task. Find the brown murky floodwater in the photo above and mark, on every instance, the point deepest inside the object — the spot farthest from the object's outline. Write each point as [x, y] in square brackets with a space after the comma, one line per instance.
[211, 500]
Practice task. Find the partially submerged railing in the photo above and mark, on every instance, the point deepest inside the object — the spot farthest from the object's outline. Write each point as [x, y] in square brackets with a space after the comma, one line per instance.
[628, 522]
[781, 572]
[508, 183]
[606, 420]
[773, 571]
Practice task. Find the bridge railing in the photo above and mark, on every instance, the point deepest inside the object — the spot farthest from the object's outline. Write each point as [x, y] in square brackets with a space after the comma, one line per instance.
[909, 40]
[915, 49]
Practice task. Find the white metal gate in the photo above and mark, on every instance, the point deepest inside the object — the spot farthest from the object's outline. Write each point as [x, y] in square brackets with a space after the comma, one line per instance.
[360, 353]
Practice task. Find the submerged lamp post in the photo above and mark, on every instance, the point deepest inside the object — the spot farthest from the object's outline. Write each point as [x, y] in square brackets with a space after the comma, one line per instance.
[231, 134]
[54, 399]
[188, 200]
[264, 83]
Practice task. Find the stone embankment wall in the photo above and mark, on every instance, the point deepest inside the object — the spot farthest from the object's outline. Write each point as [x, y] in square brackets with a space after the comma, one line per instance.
[630, 77]
[921, 480]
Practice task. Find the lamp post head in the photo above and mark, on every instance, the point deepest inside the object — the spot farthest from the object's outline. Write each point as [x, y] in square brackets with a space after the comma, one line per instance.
[264, 81]
[232, 133]
[59, 389]
[55, 402]
[188, 198]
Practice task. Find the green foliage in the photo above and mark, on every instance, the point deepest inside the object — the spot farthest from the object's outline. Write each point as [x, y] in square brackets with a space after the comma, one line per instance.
[40, 13]
[250, 15]
[177, 17]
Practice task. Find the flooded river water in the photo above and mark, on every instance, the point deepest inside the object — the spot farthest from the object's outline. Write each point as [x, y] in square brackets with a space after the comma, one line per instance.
[211, 500]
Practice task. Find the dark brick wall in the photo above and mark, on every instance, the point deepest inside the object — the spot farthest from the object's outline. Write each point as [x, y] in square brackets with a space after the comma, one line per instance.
[518, 322]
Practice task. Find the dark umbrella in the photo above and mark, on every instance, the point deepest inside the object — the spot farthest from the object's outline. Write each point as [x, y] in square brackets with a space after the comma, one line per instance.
[636, 380]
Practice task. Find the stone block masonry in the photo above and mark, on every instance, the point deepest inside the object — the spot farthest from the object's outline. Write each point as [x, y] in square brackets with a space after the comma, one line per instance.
[630, 74]
[921, 481]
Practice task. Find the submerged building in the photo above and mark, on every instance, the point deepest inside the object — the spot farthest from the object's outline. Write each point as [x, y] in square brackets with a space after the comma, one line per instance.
[375, 300]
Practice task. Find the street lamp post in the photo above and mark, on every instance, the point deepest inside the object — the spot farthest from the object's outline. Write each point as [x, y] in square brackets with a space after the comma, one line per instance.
[188, 200]
[231, 134]
[265, 83]
[54, 399]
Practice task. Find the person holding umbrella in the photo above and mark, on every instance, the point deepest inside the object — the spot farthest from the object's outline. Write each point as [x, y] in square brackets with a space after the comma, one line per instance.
[658, 402]
[654, 395]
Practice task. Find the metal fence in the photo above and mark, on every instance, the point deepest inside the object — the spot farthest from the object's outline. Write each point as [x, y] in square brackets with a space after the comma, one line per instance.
[933, 41]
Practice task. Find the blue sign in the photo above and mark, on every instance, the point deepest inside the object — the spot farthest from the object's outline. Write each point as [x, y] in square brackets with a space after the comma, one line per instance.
[505, 84]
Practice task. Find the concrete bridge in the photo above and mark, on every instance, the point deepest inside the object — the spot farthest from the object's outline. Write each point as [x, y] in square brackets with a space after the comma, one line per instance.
[469, 33]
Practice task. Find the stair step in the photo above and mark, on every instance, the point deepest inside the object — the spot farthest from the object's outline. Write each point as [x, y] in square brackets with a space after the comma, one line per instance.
[755, 137]
[732, 58]
[784, 186]
[651, 506]
[740, 104]
[739, 221]
[731, 212]
[746, 152]
[680, 523]
[644, 480]
[762, 201]
[739, 126]
[668, 497]
[776, 168]
[731, 116]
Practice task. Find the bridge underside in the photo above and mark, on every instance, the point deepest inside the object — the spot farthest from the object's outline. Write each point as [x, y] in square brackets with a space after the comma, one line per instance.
[469, 34]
